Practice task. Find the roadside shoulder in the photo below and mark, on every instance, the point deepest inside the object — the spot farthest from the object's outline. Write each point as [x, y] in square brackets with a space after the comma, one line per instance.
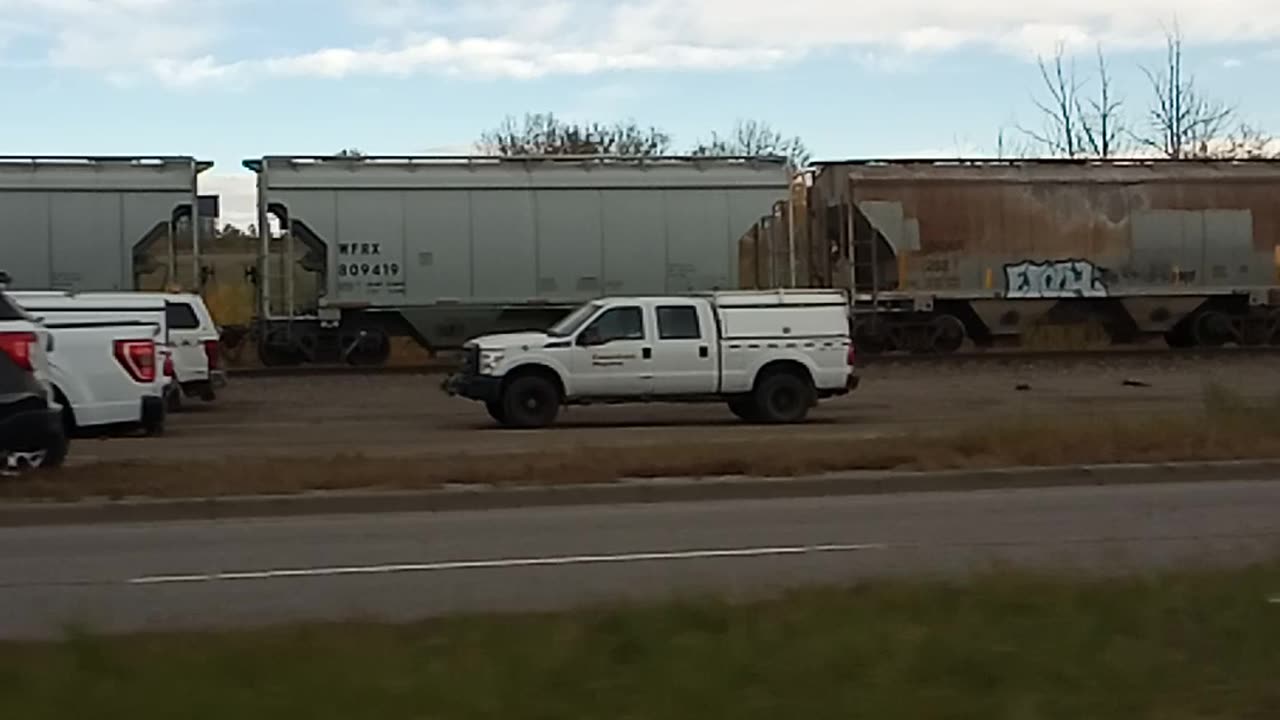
[647, 490]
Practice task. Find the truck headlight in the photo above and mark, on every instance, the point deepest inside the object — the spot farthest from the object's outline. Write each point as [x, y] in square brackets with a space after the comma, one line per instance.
[489, 360]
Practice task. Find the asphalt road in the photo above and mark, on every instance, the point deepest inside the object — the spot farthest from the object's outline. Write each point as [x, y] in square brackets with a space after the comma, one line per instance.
[402, 566]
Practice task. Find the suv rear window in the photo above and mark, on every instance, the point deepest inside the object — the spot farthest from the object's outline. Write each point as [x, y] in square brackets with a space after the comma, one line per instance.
[7, 309]
[181, 316]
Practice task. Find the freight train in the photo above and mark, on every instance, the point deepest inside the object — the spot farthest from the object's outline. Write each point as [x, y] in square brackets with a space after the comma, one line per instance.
[943, 254]
[934, 255]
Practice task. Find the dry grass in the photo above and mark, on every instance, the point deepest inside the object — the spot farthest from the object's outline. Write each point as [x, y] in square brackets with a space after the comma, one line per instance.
[1066, 336]
[1228, 427]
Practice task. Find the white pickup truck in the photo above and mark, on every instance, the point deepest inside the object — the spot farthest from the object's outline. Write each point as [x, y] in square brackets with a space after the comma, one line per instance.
[107, 358]
[771, 355]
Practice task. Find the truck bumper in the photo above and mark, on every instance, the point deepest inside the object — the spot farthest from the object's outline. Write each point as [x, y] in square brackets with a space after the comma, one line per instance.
[205, 389]
[474, 387]
[850, 384]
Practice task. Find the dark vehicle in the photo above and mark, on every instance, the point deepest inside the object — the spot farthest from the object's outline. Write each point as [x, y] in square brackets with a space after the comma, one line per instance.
[31, 428]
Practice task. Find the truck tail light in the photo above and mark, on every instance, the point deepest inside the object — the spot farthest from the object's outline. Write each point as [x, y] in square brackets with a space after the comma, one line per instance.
[168, 365]
[211, 352]
[851, 355]
[18, 346]
[138, 358]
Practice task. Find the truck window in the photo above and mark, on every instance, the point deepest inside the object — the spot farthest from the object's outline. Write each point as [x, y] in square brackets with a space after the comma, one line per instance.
[181, 316]
[620, 323]
[678, 322]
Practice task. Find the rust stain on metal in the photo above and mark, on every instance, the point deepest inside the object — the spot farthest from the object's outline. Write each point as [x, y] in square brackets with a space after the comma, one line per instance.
[1145, 224]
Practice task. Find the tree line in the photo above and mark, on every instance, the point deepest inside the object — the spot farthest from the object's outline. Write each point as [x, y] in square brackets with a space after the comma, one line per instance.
[547, 134]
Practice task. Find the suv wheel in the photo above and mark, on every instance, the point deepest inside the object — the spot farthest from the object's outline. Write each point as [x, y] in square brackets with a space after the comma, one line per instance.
[783, 397]
[531, 401]
[52, 454]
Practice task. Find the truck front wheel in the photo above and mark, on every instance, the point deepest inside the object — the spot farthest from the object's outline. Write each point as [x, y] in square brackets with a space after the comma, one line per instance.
[744, 408]
[783, 397]
[530, 401]
[497, 410]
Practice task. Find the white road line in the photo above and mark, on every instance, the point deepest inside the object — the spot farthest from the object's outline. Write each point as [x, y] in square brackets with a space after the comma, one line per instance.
[505, 563]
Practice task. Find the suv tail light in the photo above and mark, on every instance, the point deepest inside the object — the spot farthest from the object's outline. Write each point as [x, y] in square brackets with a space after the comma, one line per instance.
[212, 354]
[18, 346]
[138, 358]
[852, 355]
[168, 365]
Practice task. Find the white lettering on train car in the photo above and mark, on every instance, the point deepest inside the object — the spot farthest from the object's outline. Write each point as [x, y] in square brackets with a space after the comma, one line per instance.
[1054, 279]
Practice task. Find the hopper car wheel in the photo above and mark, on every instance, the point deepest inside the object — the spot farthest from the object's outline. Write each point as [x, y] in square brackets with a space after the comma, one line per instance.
[1212, 329]
[1257, 329]
[946, 334]
[869, 337]
[370, 348]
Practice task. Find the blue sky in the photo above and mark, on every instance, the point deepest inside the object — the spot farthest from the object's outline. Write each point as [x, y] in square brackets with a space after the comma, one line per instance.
[229, 79]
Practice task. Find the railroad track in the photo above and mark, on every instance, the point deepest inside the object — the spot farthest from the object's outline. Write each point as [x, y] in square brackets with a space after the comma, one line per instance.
[989, 357]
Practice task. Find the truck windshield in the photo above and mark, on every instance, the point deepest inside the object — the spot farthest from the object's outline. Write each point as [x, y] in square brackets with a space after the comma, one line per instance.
[570, 323]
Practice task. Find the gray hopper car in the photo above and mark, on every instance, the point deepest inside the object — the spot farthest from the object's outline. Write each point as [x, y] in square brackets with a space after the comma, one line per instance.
[443, 249]
[94, 223]
[944, 253]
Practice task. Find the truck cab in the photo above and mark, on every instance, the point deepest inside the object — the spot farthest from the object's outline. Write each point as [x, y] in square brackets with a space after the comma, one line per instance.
[770, 355]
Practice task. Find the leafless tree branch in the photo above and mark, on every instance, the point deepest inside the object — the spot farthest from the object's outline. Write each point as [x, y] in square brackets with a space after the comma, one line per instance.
[545, 134]
[1182, 122]
[754, 138]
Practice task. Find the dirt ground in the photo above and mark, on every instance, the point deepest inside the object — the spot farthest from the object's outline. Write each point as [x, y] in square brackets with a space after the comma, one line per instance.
[408, 415]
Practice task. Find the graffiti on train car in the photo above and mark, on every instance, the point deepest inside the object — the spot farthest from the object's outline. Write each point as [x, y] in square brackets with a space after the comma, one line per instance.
[1055, 279]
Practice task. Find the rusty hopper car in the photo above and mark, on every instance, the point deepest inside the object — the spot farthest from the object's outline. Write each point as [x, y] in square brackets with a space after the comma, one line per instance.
[442, 249]
[944, 253]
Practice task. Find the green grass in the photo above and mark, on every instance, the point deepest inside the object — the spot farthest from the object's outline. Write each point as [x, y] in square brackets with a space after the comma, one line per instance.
[1182, 646]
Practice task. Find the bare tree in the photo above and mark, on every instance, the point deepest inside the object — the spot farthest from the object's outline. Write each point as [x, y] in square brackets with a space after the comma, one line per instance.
[752, 138]
[1008, 148]
[1244, 143]
[1063, 134]
[1101, 118]
[1183, 123]
[545, 134]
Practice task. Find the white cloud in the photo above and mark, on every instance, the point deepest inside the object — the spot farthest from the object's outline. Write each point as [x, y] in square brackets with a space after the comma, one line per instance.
[239, 195]
[175, 41]
[117, 38]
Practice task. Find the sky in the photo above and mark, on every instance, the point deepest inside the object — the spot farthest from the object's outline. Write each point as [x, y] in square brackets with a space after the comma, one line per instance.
[226, 80]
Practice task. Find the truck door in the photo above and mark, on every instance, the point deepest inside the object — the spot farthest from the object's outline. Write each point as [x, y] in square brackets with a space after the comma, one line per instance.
[684, 354]
[612, 355]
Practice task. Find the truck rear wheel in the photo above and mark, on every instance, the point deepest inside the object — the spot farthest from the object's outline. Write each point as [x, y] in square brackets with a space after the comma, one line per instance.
[783, 397]
[530, 401]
